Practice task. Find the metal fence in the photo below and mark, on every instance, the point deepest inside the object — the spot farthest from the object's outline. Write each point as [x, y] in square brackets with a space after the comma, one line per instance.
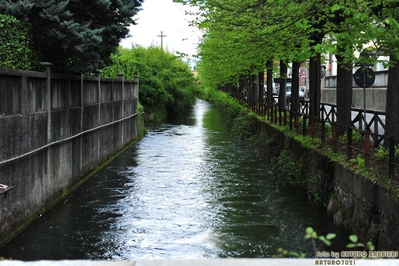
[363, 143]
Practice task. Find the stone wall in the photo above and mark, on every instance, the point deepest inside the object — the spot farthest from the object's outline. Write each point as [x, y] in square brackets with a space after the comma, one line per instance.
[55, 129]
[354, 202]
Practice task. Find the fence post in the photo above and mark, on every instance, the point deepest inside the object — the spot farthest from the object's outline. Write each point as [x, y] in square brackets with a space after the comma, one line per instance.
[48, 91]
[304, 126]
[376, 122]
[285, 117]
[312, 127]
[349, 144]
[367, 147]
[122, 78]
[323, 132]
[136, 86]
[49, 124]
[334, 137]
[391, 157]
[290, 119]
[98, 75]
[297, 122]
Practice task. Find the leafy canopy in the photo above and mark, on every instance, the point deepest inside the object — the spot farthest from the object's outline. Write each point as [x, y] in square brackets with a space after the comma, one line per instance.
[76, 36]
[166, 83]
[241, 35]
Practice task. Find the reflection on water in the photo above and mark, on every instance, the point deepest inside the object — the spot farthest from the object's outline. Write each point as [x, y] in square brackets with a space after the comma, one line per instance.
[187, 190]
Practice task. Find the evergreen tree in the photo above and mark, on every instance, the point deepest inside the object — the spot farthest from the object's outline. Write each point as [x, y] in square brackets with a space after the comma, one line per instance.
[76, 36]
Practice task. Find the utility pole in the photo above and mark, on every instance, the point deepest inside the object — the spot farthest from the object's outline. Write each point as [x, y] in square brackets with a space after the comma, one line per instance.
[161, 35]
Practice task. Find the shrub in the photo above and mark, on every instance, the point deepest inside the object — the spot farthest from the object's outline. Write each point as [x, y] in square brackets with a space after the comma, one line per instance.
[167, 86]
[15, 49]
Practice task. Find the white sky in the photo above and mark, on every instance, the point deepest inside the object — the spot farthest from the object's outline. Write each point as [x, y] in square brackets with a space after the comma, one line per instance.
[168, 17]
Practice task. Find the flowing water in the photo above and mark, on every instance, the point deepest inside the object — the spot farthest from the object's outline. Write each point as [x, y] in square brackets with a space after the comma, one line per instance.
[186, 190]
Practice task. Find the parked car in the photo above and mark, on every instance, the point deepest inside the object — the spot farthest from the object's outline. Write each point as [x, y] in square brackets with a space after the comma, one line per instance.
[275, 89]
[288, 94]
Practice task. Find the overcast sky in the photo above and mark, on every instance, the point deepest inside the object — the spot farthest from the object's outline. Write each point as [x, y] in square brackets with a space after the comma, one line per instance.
[168, 17]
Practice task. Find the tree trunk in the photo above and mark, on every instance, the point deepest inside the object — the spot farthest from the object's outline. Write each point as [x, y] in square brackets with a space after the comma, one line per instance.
[269, 82]
[253, 91]
[295, 87]
[244, 87]
[314, 85]
[392, 106]
[260, 87]
[281, 94]
[344, 95]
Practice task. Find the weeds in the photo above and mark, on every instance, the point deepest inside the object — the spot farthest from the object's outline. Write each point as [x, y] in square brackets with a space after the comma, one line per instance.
[326, 240]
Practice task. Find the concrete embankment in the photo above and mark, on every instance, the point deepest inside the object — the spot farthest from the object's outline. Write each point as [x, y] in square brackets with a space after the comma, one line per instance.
[358, 204]
[55, 130]
[219, 262]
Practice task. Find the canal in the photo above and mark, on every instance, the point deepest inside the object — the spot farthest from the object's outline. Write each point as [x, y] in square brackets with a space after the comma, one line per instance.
[188, 189]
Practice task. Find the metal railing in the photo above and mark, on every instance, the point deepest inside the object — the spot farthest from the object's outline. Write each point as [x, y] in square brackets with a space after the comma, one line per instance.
[362, 141]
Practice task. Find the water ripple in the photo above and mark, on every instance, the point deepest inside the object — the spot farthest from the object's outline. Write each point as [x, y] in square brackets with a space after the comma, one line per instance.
[186, 190]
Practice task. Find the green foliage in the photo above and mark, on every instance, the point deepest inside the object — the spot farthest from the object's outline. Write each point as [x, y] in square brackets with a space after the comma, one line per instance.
[284, 253]
[308, 142]
[288, 167]
[326, 240]
[240, 35]
[355, 244]
[311, 234]
[383, 153]
[15, 42]
[231, 108]
[76, 36]
[166, 83]
[244, 126]
[357, 137]
[359, 161]
[140, 121]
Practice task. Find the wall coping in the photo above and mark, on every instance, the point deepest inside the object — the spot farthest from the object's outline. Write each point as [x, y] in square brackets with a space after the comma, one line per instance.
[204, 262]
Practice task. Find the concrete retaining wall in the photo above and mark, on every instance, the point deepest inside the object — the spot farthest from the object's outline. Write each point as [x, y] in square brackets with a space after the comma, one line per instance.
[362, 206]
[55, 129]
[204, 262]
[375, 95]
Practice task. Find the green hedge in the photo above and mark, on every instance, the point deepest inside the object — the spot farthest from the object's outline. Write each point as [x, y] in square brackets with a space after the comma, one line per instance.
[14, 44]
[167, 86]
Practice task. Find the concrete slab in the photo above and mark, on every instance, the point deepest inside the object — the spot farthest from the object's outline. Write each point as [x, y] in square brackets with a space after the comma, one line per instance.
[218, 262]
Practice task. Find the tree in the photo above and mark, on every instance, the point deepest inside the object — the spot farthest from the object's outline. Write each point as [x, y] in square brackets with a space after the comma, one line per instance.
[359, 24]
[167, 86]
[241, 36]
[388, 12]
[76, 36]
[348, 30]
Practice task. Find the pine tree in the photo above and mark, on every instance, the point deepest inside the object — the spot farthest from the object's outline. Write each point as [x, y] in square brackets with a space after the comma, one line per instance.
[76, 36]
